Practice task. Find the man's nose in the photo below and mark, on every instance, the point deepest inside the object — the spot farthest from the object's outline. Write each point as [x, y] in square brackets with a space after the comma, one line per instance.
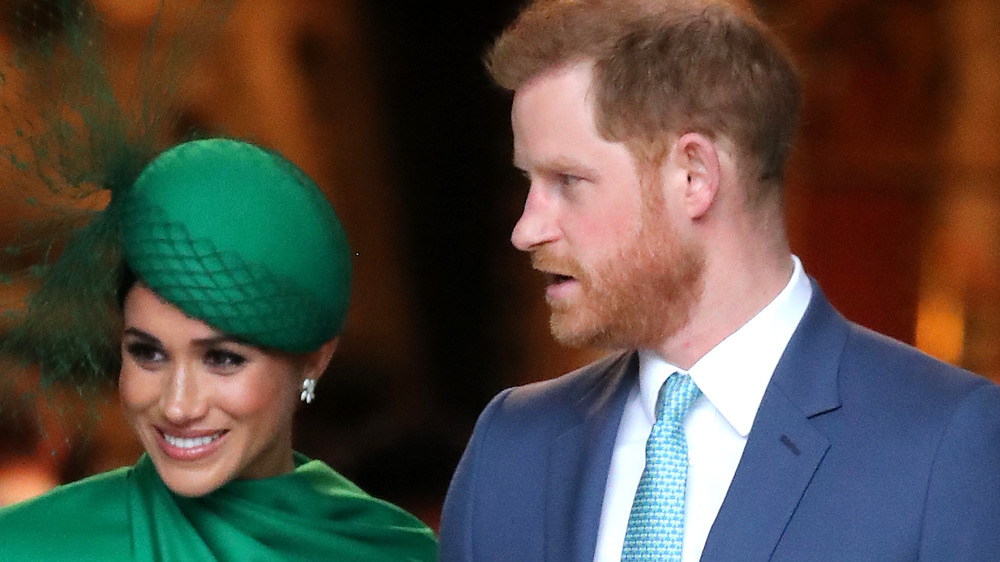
[536, 225]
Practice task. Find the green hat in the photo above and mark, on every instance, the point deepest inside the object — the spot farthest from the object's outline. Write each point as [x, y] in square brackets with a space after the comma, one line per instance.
[242, 239]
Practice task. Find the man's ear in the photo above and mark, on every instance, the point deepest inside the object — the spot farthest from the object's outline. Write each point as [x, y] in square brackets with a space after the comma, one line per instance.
[697, 156]
[316, 362]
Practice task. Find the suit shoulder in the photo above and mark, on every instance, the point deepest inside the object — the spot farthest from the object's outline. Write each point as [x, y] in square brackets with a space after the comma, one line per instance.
[550, 405]
[869, 353]
[568, 389]
[902, 383]
[497, 499]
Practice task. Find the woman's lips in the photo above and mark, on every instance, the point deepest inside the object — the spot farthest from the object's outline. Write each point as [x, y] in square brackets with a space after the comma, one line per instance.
[187, 447]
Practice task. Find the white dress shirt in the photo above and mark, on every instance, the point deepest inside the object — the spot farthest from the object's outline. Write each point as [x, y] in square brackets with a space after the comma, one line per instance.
[732, 378]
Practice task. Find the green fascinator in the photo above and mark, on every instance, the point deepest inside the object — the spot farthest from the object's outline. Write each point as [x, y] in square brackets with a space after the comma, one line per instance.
[242, 239]
[228, 232]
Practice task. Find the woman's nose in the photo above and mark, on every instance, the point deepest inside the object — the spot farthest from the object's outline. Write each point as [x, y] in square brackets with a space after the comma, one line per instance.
[183, 398]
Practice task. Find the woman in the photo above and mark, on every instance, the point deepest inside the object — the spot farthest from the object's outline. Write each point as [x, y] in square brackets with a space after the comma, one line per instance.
[236, 285]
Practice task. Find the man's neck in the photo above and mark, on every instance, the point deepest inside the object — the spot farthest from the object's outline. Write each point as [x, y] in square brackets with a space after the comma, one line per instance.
[733, 294]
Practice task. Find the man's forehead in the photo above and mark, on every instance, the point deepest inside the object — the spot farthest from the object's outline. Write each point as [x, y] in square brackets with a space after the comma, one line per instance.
[582, 67]
[559, 94]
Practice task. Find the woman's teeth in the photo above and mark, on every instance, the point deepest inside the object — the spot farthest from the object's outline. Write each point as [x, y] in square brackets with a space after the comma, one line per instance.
[190, 443]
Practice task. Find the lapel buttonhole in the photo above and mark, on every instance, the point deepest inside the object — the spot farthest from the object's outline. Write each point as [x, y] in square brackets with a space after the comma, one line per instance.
[791, 446]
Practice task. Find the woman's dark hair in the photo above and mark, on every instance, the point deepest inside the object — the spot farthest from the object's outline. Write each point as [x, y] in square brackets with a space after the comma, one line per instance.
[126, 280]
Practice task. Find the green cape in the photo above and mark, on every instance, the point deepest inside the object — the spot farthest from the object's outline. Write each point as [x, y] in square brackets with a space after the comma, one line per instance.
[311, 513]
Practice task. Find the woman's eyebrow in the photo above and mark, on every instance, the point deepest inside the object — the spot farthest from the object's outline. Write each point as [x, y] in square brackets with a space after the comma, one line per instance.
[202, 342]
[216, 340]
[145, 336]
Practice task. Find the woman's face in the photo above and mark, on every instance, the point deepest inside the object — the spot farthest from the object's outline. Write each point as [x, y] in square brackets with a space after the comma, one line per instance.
[207, 408]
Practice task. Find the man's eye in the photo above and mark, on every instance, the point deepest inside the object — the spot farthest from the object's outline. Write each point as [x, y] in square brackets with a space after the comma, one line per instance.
[144, 353]
[569, 179]
[221, 359]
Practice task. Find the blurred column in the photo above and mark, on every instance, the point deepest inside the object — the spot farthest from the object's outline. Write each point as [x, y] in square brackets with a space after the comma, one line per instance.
[959, 313]
[863, 176]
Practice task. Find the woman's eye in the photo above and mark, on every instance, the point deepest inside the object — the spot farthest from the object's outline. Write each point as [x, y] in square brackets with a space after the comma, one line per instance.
[222, 359]
[144, 353]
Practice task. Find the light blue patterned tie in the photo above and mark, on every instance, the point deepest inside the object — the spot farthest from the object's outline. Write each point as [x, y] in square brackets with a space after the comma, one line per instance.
[656, 523]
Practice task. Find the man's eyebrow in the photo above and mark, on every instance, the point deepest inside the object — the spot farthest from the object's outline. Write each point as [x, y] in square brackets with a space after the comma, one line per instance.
[559, 164]
[562, 165]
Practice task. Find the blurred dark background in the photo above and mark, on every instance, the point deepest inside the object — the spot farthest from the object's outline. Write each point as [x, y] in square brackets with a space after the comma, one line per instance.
[893, 202]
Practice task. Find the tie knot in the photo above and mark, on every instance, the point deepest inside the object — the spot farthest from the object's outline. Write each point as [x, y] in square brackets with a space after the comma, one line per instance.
[676, 396]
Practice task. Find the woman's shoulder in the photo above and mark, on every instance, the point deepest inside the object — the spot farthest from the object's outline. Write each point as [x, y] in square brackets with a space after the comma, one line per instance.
[78, 521]
[328, 517]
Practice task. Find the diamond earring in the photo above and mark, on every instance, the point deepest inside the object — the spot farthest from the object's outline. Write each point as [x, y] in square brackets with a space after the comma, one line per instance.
[308, 391]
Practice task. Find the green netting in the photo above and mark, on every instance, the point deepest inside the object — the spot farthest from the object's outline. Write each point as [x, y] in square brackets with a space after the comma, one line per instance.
[78, 120]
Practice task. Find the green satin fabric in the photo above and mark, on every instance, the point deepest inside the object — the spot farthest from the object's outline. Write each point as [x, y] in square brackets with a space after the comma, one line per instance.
[86, 521]
[312, 513]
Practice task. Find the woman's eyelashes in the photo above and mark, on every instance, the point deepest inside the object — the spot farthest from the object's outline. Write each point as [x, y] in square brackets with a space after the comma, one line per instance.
[151, 356]
[224, 359]
[144, 353]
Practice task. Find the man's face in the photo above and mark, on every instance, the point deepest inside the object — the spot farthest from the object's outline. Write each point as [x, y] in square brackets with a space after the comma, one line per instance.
[618, 274]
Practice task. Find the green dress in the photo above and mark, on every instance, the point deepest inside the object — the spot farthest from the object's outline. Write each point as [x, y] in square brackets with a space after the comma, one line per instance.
[128, 514]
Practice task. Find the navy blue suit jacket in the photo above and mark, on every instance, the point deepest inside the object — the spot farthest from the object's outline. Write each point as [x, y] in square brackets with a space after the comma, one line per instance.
[862, 449]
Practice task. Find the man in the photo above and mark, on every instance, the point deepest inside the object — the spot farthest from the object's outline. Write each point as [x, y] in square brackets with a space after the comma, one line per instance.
[654, 135]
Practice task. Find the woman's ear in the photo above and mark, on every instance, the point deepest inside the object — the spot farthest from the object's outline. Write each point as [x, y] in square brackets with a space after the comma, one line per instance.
[317, 361]
[698, 157]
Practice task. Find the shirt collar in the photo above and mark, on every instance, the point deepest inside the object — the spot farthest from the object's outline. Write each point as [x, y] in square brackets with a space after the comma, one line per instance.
[734, 374]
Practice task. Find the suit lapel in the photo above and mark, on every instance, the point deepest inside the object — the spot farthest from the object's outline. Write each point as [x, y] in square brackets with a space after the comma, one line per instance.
[780, 458]
[579, 460]
[784, 449]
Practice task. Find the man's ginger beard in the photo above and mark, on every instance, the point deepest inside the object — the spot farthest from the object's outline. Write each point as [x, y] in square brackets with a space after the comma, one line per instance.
[636, 297]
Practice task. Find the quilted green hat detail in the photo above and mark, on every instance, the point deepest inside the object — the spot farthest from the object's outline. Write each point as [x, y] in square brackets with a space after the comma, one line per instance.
[242, 239]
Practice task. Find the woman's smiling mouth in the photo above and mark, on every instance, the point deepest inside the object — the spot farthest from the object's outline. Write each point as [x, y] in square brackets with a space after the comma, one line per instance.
[189, 448]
